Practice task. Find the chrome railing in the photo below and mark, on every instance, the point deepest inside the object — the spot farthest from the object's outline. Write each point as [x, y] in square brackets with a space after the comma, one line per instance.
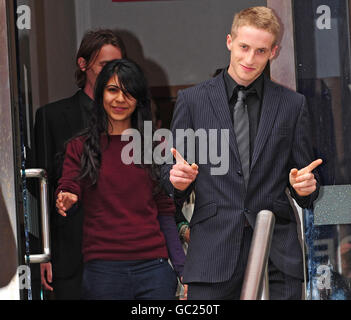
[45, 256]
[256, 282]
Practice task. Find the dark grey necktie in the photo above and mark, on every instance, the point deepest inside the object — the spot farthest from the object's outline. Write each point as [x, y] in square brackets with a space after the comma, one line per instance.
[242, 132]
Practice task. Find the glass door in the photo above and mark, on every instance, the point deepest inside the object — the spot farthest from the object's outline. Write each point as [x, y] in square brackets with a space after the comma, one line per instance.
[30, 214]
[322, 42]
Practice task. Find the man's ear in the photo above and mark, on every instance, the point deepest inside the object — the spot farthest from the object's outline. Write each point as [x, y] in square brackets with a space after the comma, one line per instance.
[229, 42]
[273, 52]
[82, 64]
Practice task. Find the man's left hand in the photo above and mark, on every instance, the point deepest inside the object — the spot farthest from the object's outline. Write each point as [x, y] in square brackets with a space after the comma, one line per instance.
[303, 180]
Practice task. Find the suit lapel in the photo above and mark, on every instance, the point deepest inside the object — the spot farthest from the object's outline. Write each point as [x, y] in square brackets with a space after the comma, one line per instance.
[219, 101]
[270, 105]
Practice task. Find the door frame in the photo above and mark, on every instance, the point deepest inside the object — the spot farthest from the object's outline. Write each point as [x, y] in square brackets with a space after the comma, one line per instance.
[10, 148]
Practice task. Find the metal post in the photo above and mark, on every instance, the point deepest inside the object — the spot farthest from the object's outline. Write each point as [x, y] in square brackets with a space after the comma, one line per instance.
[265, 285]
[258, 258]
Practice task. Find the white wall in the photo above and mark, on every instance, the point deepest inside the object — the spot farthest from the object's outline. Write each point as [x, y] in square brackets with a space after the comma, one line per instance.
[60, 35]
[178, 42]
[52, 44]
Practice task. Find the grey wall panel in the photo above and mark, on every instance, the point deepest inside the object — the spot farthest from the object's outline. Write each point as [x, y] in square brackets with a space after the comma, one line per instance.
[180, 41]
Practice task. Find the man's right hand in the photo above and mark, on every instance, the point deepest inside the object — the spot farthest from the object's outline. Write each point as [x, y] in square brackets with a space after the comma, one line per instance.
[46, 275]
[182, 174]
[65, 201]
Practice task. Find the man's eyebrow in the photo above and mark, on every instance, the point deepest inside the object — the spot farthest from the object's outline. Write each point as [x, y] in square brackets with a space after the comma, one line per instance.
[243, 43]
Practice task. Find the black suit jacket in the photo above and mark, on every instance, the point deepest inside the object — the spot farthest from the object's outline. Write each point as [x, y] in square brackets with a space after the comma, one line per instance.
[222, 203]
[56, 123]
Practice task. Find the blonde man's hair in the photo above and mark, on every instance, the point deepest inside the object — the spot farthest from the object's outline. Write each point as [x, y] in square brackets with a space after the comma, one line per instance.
[260, 18]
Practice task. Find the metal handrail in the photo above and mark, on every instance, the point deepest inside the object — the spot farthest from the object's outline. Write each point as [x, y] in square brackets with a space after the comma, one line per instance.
[255, 285]
[46, 255]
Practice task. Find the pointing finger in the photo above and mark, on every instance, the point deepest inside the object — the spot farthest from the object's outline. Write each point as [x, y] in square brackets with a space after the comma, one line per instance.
[178, 156]
[313, 165]
[308, 169]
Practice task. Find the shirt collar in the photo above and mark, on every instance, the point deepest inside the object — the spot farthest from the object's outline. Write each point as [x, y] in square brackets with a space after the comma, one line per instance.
[231, 85]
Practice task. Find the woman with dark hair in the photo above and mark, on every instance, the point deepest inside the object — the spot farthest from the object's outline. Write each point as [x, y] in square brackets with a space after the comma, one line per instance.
[55, 123]
[128, 220]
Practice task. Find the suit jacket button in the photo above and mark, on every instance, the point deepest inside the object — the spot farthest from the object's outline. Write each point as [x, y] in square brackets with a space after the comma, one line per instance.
[239, 173]
[246, 211]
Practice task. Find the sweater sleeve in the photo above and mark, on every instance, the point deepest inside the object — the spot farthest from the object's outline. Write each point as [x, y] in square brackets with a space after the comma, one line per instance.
[165, 204]
[71, 169]
[174, 246]
[166, 212]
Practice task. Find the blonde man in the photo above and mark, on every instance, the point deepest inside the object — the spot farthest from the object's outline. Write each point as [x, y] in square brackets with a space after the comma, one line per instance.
[269, 150]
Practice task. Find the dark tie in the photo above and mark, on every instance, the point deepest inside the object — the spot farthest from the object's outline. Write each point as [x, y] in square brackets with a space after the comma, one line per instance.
[242, 132]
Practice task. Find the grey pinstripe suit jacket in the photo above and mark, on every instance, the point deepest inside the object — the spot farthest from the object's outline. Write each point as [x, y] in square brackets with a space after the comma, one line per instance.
[222, 202]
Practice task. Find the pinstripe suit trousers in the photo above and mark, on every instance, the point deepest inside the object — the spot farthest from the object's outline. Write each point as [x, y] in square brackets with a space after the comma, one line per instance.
[281, 286]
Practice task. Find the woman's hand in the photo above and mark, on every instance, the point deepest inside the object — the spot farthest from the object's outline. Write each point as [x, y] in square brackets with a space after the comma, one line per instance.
[65, 201]
[184, 295]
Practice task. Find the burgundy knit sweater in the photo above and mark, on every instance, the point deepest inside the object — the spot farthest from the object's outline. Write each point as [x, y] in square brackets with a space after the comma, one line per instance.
[120, 212]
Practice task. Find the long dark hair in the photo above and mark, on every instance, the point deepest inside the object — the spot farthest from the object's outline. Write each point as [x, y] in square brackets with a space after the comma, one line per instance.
[90, 47]
[133, 82]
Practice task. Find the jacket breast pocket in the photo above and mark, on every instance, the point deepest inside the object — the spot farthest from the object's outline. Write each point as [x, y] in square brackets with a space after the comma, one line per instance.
[203, 213]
